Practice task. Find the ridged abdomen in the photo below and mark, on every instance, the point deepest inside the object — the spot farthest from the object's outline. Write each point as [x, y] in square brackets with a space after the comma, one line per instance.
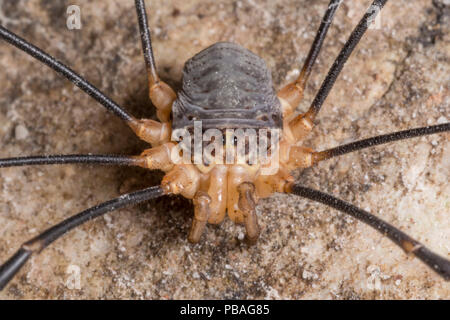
[227, 86]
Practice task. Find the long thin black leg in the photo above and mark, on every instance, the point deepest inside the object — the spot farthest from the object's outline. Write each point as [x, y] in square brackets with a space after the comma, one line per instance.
[146, 41]
[293, 92]
[343, 56]
[374, 141]
[318, 42]
[69, 159]
[64, 71]
[37, 244]
[160, 93]
[408, 244]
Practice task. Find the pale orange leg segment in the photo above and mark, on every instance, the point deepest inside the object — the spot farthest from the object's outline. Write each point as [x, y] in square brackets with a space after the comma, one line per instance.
[151, 131]
[267, 185]
[290, 97]
[183, 179]
[201, 215]
[162, 97]
[247, 204]
[157, 158]
[292, 94]
[299, 127]
[300, 157]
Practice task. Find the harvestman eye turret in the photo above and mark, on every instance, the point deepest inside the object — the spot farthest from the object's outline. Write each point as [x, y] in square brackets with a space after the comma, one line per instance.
[225, 87]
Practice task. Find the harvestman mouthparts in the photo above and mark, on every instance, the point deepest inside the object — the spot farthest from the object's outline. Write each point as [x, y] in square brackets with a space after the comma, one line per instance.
[217, 189]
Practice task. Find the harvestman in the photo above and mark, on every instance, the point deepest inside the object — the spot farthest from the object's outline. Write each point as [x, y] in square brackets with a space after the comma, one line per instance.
[225, 86]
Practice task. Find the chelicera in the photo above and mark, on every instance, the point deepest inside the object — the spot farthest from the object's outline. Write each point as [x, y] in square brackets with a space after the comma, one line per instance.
[224, 87]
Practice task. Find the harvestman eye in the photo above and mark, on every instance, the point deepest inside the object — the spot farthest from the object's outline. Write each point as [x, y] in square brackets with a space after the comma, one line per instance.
[225, 86]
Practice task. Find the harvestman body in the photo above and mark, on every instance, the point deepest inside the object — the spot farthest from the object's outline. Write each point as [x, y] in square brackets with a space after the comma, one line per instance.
[225, 87]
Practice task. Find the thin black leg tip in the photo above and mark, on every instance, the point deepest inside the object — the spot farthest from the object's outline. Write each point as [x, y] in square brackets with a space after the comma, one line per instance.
[15, 263]
[434, 261]
[9, 269]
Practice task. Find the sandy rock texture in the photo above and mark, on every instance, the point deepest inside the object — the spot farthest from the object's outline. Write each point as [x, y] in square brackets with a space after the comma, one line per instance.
[398, 78]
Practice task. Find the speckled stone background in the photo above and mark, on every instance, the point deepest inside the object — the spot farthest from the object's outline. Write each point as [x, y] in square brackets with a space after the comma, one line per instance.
[398, 78]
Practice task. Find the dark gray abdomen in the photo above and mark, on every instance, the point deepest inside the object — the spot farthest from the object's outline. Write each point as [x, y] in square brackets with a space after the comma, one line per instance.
[227, 86]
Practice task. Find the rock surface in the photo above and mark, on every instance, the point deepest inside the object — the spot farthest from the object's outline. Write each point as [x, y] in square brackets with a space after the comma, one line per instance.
[398, 78]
